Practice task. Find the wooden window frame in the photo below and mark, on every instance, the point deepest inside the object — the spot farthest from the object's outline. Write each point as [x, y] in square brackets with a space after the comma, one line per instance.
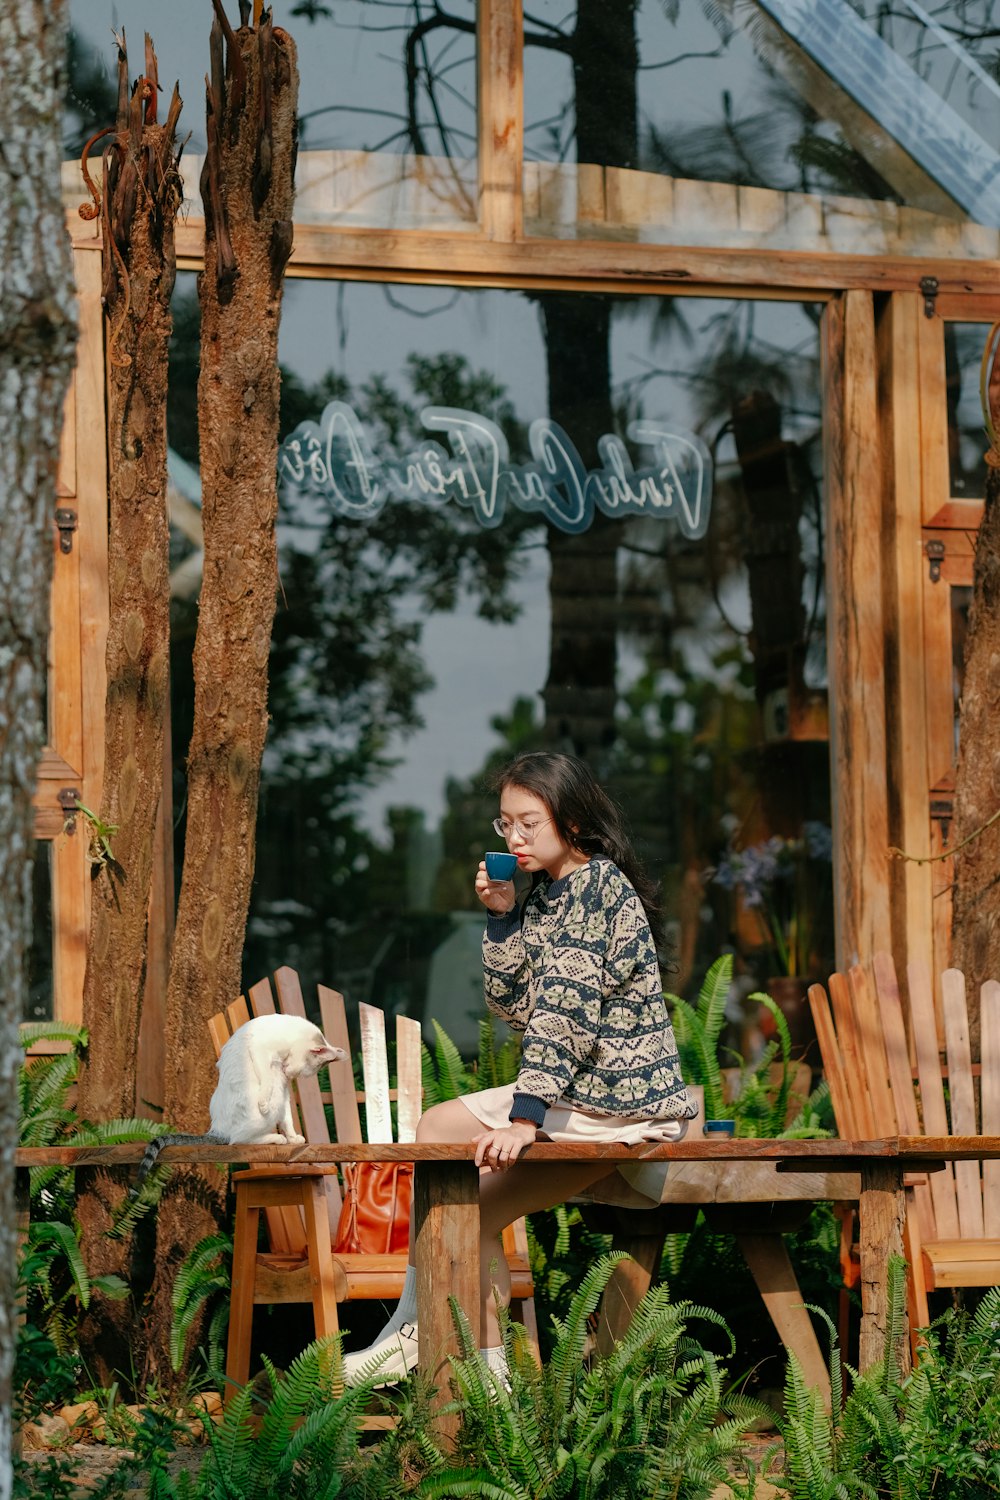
[867, 402]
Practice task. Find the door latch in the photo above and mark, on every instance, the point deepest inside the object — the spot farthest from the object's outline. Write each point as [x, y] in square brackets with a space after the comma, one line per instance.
[65, 525]
[929, 291]
[935, 557]
[69, 800]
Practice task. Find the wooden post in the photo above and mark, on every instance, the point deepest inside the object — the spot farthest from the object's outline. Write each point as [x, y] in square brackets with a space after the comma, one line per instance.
[446, 1236]
[880, 1221]
[856, 628]
[500, 54]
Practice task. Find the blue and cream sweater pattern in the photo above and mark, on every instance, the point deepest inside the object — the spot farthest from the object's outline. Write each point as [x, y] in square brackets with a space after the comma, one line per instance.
[575, 970]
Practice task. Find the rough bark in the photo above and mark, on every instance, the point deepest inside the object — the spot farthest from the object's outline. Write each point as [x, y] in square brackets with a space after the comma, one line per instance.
[247, 191]
[976, 904]
[138, 204]
[37, 334]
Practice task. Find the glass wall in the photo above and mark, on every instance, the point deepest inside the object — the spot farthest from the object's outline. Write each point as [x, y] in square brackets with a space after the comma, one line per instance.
[848, 125]
[387, 99]
[513, 520]
[964, 344]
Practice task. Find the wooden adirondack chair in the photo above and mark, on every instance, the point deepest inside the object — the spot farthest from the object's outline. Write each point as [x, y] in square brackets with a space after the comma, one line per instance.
[302, 1204]
[886, 1080]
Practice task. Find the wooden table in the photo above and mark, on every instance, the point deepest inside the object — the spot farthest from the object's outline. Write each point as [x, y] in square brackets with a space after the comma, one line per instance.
[446, 1202]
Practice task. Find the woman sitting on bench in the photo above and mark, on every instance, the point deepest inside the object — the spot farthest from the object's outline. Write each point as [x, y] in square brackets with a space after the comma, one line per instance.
[573, 967]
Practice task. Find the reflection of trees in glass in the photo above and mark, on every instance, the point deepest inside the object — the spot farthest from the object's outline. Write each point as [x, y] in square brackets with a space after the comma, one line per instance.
[347, 674]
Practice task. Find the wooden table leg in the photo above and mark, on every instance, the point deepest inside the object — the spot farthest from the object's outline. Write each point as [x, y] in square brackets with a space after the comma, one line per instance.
[446, 1228]
[771, 1268]
[881, 1213]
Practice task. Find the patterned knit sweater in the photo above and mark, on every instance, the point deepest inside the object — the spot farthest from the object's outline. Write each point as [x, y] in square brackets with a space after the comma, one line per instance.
[576, 972]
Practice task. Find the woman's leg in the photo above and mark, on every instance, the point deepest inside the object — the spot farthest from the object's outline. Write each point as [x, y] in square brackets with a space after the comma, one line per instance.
[524, 1188]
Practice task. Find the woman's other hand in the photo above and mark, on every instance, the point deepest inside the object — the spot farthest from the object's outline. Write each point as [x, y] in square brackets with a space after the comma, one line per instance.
[496, 895]
[499, 1149]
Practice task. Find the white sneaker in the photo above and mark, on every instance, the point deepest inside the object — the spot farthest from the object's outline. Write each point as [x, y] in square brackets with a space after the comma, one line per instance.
[391, 1358]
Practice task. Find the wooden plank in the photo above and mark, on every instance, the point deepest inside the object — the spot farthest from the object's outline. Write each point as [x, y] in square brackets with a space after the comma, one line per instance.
[218, 1030]
[311, 1111]
[850, 1046]
[499, 70]
[856, 628]
[968, 1184]
[345, 1104]
[932, 1105]
[261, 998]
[989, 1014]
[899, 418]
[901, 1076]
[378, 1117]
[881, 1215]
[872, 1048]
[772, 1270]
[408, 1077]
[834, 1069]
[446, 1238]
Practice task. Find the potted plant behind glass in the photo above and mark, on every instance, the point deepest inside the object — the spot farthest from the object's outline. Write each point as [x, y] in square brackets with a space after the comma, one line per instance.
[783, 885]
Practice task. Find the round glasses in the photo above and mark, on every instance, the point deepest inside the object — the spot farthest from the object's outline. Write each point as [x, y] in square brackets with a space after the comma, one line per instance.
[525, 831]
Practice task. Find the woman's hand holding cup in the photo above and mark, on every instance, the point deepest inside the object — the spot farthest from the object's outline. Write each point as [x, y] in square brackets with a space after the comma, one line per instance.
[494, 882]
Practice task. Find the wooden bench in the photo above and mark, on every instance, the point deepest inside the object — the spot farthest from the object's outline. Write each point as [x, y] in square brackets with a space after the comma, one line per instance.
[886, 1078]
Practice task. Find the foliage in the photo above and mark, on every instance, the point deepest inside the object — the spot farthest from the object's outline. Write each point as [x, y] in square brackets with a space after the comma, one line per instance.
[447, 1076]
[205, 1275]
[931, 1432]
[652, 1419]
[786, 883]
[758, 1105]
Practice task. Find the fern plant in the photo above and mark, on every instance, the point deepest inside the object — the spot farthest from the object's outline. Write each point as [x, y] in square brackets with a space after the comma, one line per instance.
[651, 1420]
[205, 1275]
[759, 1107]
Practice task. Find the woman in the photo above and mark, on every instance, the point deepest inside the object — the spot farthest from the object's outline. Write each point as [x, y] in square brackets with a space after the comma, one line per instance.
[575, 970]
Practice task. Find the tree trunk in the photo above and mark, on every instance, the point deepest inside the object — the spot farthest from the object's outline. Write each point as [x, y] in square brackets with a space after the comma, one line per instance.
[141, 195]
[37, 334]
[247, 190]
[976, 906]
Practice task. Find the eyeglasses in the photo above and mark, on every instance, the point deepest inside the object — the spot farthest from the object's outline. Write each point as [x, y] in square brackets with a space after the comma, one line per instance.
[525, 831]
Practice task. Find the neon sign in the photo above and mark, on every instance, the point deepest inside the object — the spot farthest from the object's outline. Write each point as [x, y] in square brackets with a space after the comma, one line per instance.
[334, 460]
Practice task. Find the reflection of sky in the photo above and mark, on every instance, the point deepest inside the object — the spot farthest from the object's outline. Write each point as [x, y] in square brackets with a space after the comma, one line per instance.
[660, 364]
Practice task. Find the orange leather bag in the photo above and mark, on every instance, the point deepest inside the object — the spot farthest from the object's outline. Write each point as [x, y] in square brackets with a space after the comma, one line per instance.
[375, 1217]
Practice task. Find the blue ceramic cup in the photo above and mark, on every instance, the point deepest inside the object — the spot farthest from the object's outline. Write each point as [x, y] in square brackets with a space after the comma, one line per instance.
[500, 866]
[715, 1130]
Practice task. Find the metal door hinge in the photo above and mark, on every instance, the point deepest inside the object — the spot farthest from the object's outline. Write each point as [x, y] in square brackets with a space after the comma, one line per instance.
[69, 800]
[929, 291]
[66, 525]
[935, 557]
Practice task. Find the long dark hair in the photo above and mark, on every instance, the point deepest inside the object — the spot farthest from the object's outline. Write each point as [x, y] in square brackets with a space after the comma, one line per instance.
[584, 815]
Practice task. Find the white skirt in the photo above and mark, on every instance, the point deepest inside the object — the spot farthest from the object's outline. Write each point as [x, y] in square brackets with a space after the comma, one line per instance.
[567, 1122]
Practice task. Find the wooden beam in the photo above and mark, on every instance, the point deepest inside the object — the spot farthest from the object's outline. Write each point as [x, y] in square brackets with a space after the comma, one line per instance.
[855, 627]
[500, 105]
[899, 397]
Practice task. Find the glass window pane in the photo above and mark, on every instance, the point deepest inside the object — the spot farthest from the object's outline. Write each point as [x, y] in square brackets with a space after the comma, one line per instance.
[963, 349]
[845, 125]
[442, 608]
[39, 1000]
[387, 99]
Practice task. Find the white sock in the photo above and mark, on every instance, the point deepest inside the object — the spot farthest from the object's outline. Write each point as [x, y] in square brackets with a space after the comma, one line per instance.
[406, 1307]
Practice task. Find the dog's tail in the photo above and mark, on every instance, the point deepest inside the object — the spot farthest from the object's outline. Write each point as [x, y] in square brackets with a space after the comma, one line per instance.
[157, 1144]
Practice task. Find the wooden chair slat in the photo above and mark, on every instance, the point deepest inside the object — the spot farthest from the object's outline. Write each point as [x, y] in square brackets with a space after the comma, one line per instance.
[833, 1065]
[847, 1034]
[897, 1051]
[932, 1106]
[409, 1077]
[311, 1111]
[346, 1116]
[968, 1180]
[989, 1015]
[238, 1013]
[378, 1118]
[873, 1054]
[261, 998]
[218, 1030]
